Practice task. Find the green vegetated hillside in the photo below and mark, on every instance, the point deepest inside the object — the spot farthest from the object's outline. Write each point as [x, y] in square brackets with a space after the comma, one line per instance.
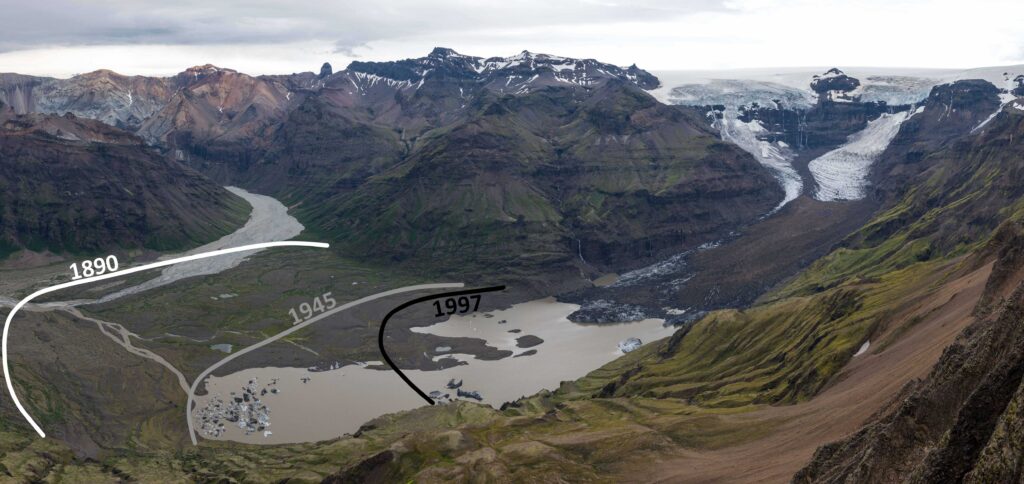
[538, 178]
[519, 182]
[80, 186]
[960, 423]
[691, 391]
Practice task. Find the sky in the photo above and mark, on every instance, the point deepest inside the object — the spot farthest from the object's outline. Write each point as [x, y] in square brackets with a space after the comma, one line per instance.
[64, 37]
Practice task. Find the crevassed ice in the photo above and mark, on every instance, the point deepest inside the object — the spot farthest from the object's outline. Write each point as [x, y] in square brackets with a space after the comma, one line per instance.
[775, 156]
[841, 174]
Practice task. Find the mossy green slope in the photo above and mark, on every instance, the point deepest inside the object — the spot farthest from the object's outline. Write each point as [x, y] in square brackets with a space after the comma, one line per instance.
[533, 180]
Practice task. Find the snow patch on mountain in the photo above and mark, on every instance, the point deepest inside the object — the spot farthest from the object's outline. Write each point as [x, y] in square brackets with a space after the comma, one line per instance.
[371, 80]
[841, 174]
[1009, 83]
[1004, 99]
[776, 156]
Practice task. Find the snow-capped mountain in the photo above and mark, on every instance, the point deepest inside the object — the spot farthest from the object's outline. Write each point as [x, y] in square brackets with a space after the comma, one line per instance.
[516, 74]
[835, 85]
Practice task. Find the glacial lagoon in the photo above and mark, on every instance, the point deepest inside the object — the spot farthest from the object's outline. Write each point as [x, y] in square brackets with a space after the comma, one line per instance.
[312, 406]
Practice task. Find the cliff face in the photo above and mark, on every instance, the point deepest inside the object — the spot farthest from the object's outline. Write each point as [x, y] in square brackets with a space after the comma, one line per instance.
[117, 100]
[220, 114]
[948, 113]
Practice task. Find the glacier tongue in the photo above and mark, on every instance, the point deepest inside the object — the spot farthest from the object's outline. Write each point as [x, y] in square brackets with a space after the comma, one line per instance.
[841, 174]
[775, 156]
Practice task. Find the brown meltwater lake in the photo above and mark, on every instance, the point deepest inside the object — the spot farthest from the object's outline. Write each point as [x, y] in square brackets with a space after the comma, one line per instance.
[332, 403]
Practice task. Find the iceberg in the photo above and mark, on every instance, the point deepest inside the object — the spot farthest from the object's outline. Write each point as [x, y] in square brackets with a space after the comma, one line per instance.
[629, 344]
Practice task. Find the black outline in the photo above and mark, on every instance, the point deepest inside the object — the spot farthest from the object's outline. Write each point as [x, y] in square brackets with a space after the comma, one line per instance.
[384, 323]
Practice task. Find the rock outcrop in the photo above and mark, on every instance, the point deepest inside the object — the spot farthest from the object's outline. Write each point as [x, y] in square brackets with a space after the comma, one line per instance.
[326, 70]
[835, 85]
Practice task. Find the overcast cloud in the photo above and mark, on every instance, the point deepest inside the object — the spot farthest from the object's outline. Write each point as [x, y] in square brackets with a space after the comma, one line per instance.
[62, 37]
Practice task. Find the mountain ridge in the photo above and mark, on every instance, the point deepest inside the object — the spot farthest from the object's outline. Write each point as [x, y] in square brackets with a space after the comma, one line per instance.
[80, 186]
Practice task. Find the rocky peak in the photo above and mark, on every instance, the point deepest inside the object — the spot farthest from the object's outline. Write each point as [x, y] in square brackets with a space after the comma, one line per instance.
[203, 69]
[101, 73]
[196, 73]
[443, 53]
[326, 70]
[963, 94]
[1019, 90]
[642, 78]
[950, 112]
[835, 85]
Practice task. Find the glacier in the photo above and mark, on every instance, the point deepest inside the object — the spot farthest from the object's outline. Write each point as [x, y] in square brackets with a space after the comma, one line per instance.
[734, 93]
[775, 156]
[842, 174]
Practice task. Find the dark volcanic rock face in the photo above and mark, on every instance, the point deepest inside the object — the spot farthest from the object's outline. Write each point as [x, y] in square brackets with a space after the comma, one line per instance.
[950, 112]
[68, 184]
[834, 84]
[825, 125]
[326, 70]
[961, 424]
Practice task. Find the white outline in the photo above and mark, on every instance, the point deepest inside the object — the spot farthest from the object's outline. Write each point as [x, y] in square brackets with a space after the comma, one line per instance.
[7, 324]
[351, 304]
